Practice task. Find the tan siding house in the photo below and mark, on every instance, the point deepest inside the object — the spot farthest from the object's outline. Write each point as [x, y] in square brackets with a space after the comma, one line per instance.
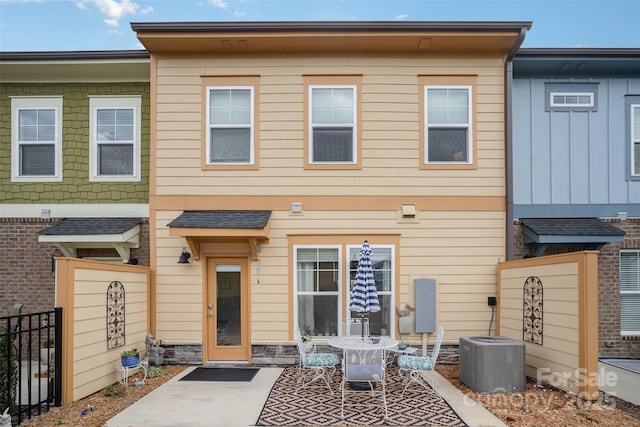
[278, 148]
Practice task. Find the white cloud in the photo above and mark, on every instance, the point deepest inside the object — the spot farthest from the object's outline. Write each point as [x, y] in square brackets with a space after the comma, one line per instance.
[111, 22]
[114, 10]
[582, 45]
[402, 17]
[221, 4]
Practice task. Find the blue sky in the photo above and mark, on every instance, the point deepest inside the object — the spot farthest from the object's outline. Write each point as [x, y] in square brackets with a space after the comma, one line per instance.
[62, 25]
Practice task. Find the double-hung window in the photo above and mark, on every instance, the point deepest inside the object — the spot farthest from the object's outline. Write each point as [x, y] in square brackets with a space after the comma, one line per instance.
[630, 293]
[115, 133]
[382, 263]
[317, 289]
[36, 142]
[448, 125]
[320, 298]
[230, 125]
[634, 131]
[333, 127]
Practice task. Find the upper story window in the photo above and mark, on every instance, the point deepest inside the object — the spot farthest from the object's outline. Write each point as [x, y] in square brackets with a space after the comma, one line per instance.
[569, 99]
[115, 133]
[230, 125]
[448, 124]
[36, 139]
[635, 137]
[570, 96]
[333, 124]
[333, 113]
[633, 132]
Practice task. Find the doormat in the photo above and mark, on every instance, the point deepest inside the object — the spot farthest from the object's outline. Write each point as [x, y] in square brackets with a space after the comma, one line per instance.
[221, 374]
[318, 407]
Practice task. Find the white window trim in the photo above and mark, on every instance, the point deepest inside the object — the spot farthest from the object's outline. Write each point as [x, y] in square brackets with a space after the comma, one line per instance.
[251, 126]
[344, 289]
[633, 141]
[354, 126]
[468, 125]
[99, 102]
[591, 96]
[295, 280]
[629, 333]
[18, 103]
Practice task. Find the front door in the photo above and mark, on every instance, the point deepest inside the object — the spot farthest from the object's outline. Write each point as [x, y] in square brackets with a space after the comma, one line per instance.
[227, 309]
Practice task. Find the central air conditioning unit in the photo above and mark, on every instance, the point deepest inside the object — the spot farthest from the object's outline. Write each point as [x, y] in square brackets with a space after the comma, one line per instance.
[491, 364]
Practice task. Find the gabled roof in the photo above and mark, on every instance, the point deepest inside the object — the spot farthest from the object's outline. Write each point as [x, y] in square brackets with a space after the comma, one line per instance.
[584, 233]
[121, 234]
[332, 37]
[216, 226]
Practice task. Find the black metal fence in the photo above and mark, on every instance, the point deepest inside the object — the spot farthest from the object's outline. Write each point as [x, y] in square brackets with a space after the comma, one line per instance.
[30, 363]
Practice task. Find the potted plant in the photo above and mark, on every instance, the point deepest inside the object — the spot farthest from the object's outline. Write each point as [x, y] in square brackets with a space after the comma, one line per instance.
[47, 353]
[129, 358]
[384, 330]
[308, 344]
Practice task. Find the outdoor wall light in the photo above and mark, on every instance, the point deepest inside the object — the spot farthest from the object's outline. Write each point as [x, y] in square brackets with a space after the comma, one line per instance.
[296, 207]
[184, 257]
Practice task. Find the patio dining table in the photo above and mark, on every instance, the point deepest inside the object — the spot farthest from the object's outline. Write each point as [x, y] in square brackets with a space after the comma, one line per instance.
[362, 344]
[359, 343]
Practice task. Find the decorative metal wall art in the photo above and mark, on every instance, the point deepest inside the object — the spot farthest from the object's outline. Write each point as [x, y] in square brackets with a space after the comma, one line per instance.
[532, 310]
[115, 315]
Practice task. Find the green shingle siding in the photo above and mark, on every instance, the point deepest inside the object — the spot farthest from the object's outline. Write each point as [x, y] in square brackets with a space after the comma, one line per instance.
[75, 187]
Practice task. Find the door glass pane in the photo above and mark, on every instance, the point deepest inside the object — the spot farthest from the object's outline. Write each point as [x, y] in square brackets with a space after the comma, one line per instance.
[228, 317]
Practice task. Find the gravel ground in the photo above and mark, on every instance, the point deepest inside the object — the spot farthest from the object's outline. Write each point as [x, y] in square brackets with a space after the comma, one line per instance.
[535, 407]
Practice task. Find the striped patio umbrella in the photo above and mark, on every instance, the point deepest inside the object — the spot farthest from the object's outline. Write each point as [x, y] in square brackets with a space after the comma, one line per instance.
[364, 295]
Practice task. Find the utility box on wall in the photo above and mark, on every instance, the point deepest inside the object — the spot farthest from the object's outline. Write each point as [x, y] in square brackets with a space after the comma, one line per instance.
[490, 364]
[425, 300]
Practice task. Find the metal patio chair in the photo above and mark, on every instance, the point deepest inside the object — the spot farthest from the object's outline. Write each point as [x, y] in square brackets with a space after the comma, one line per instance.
[363, 378]
[416, 364]
[316, 369]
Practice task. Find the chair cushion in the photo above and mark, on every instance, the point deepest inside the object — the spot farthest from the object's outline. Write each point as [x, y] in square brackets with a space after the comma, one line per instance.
[420, 363]
[321, 359]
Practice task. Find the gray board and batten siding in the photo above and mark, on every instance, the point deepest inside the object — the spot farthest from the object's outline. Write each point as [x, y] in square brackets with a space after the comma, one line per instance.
[574, 162]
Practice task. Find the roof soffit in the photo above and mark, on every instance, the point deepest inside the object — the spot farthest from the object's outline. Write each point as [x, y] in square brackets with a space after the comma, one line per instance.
[415, 43]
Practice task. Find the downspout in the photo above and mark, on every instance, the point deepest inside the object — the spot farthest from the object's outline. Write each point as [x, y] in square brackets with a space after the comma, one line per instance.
[508, 132]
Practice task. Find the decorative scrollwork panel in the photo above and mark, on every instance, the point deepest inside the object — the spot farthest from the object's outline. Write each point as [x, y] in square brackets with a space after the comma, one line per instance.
[532, 310]
[115, 315]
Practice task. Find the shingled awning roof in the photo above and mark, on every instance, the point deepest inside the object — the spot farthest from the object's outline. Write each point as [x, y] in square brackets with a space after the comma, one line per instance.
[70, 234]
[223, 226]
[538, 234]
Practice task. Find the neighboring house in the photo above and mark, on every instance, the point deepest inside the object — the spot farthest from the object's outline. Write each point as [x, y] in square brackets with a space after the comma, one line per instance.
[278, 148]
[74, 160]
[576, 173]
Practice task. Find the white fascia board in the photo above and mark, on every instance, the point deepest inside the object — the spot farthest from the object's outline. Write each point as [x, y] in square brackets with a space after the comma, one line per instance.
[80, 210]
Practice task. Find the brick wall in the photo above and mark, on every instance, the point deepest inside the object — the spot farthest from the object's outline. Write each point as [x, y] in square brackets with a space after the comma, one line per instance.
[610, 343]
[25, 270]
